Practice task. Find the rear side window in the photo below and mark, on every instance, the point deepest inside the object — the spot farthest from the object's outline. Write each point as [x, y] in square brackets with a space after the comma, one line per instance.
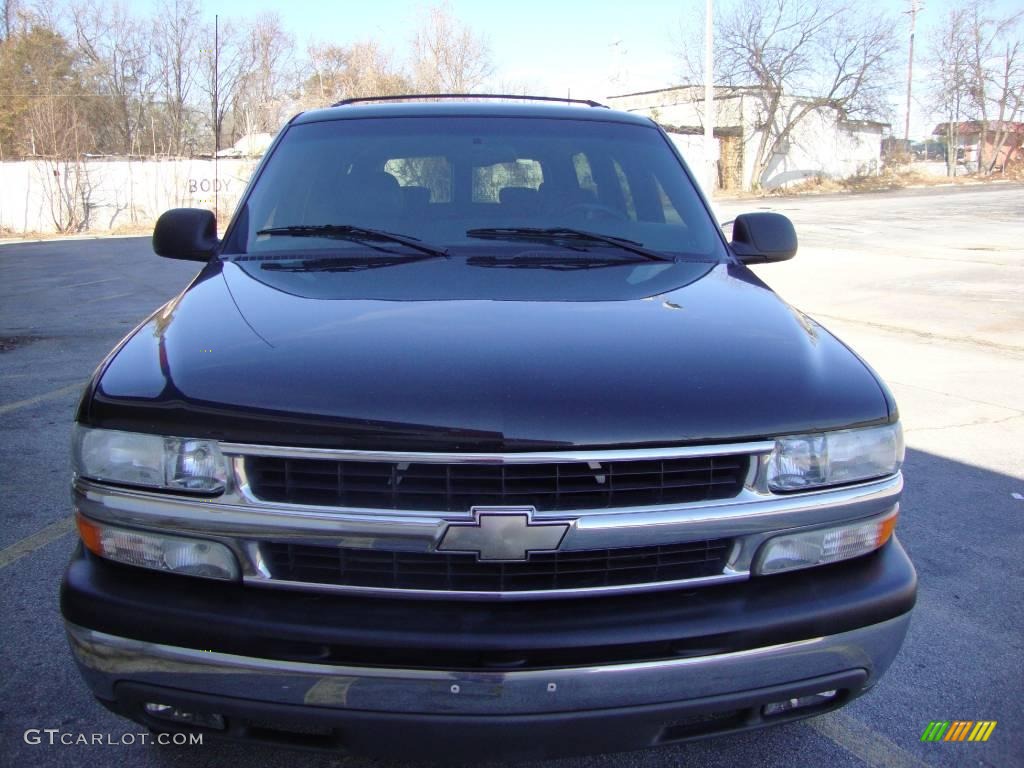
[431, 173]
[584, 174]
[489, 181]
[668, 210]
[624, 191]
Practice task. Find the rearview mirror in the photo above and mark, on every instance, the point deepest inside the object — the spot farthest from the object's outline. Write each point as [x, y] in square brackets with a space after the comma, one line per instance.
[186, 233]
[758, 238]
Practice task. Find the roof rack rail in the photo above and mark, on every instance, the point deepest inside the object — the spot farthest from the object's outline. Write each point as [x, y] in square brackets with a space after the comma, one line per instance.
[423, 96]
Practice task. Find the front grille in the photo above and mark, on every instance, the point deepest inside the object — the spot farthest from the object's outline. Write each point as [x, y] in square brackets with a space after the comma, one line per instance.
[437, 571]
[459, 487]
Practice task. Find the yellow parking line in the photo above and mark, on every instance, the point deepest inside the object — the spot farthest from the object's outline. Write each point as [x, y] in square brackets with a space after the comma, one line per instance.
[30, 544]
[110, 298]
[19, 404]
[864, 742]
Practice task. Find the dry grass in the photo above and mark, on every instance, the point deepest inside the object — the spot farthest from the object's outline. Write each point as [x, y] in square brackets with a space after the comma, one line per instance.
[889, 179]
[885, 181]
[1014, 172]
[132, 229]
[127, 230]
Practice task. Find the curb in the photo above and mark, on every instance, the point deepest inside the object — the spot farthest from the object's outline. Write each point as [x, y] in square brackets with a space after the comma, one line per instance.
[63, 238]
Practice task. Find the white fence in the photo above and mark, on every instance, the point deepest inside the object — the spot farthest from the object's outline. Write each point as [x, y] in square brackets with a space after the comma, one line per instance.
[105, 195]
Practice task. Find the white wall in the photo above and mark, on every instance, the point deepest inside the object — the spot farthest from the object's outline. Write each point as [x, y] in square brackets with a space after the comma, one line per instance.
[681, 106]
[110, 194]
[819, 145]
[128, 193]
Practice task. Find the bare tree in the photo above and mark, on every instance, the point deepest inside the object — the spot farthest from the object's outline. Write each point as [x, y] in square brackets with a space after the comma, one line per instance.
[995, 75]
[224, 61]
[979, 59]
[1008, 85]
[949, 59]
[340, 72]
[265, 87]
[116, 48]
[8, 18]
[448, 56]
[175, 45]
[327, 64]
[56, 126]
[798, 57]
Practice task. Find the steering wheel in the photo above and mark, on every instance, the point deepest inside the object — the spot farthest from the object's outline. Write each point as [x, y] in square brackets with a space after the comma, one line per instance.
[596, 212]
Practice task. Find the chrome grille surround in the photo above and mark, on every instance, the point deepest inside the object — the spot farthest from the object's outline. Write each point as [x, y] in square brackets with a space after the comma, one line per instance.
[453, 487]
[248, 525]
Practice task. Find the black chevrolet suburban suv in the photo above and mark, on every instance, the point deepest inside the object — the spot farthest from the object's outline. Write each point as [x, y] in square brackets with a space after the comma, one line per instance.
[475, 437]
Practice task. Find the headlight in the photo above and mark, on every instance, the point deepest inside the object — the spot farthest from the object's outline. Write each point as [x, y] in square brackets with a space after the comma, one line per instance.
[805, 549]
[834, 458]
[151, 461]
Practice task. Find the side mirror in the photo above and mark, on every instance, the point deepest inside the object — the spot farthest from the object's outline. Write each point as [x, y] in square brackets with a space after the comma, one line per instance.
[186, 233]
[758, 238]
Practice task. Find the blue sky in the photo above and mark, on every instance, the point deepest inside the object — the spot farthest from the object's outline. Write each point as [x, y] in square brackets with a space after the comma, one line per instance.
[552, 46]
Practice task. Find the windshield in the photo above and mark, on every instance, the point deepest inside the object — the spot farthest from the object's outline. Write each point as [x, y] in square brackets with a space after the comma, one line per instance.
[450, 181]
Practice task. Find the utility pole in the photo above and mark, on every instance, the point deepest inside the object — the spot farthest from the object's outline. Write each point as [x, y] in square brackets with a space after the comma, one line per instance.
[709, 102]
[216, 111]
[915, 6]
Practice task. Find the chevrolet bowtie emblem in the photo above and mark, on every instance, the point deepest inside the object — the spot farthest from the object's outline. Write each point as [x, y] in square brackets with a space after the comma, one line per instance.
[503, 534]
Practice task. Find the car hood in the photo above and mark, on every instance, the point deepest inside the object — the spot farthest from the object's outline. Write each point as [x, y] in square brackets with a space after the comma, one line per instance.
[719, 358]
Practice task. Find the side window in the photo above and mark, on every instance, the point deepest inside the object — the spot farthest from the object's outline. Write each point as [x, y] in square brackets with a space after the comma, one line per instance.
[490, 180]
[627, 193]
[433, 173]
[584, 173]
[667, 208]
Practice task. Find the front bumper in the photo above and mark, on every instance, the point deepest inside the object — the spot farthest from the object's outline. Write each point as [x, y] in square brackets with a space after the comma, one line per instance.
[404, 679]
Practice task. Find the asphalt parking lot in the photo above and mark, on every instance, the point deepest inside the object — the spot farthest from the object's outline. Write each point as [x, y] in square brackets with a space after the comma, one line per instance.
[927, 285]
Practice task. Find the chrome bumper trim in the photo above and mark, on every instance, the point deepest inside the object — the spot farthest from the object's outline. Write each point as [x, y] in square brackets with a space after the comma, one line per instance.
[105, 660]
[225, 516]
[748, 520]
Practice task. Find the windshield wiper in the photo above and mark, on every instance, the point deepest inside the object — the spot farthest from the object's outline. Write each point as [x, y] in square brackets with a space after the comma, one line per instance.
[334, 264]
[566, 234]
[348, 231]
[554, 263]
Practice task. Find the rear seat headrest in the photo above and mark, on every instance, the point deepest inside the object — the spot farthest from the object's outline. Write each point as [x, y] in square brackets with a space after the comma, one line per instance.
[416, 197]
[522, 197]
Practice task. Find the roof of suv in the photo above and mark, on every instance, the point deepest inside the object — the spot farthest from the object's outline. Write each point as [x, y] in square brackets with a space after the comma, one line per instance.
[470, 109]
